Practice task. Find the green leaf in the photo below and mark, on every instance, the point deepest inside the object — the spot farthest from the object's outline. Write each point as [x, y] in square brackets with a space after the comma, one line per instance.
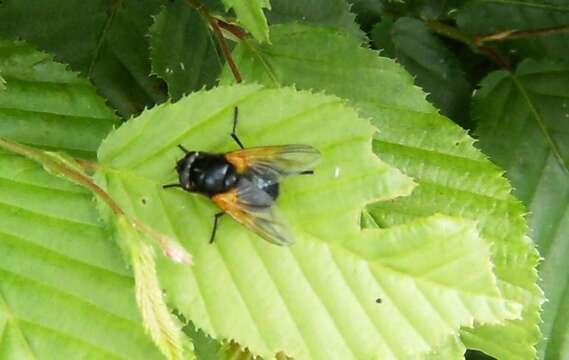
[523, 125]
[331, 13]
[205, 347]
[57, 26]
[368, 12]
[64, 289]
[453, 177]
[250, 15]
[120, 67]
[489, 17]
[323, 290]
[183, 52]
[436, 68]
[48, 106]
[105, 40]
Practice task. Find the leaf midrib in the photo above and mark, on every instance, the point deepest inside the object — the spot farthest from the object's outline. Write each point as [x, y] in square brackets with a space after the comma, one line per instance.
[13, 321]
[537, 116]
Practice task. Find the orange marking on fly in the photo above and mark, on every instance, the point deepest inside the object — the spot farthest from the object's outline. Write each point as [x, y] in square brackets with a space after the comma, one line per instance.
[238, 161]
[243, 159]
[226, 199]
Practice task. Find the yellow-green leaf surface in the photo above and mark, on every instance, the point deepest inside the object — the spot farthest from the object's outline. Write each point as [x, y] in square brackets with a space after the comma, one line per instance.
[453, 349]
[318, 298]
[453, 177]
[65, 292]
[250, 15]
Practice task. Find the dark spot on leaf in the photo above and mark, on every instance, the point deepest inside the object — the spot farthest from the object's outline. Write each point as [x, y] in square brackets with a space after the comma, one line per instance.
[378, 300]
[143, 201]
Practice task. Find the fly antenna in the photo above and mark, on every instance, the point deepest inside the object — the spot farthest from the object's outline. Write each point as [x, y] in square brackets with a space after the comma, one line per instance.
[183, 148]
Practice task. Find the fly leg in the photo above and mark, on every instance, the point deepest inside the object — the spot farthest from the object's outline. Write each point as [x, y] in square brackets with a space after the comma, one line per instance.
[234, 132]
[214, 230]
[172, 185]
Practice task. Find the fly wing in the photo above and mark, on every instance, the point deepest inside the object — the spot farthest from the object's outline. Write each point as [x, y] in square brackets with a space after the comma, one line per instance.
[254, 208]
[274, 162]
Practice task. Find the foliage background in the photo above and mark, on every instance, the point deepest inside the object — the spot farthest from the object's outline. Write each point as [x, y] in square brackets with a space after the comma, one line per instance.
[509, 90]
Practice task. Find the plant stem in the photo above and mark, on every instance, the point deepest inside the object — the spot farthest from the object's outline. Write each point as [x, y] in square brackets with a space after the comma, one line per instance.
[517, 34]
[216, 25]
[454, 33]
[225, 50]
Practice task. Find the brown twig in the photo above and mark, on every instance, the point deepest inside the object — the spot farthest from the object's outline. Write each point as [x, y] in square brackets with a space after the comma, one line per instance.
[495, 56]
[237, 31]
[225, 50]
[516, 34]
[454, 33]
[216, 25]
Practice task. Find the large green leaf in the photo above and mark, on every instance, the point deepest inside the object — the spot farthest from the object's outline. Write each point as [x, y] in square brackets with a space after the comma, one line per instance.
[183, 51]
[436, 68]
[482, 17]
[105, 40]
[523, 122]
[250, 15]
[64, 288]
[453, 177]
[48, 106]
[317, 298]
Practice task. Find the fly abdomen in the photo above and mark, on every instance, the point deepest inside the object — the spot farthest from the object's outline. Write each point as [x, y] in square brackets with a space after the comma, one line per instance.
[266, 184]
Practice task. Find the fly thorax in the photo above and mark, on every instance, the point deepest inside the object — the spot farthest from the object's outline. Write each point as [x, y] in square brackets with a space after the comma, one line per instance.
[211, 174]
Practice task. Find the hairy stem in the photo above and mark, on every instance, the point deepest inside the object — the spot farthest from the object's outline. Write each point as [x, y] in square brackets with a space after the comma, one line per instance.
[65, 170]
[56, 163]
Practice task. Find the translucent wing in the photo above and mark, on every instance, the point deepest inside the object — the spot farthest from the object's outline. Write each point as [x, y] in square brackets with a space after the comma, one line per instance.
[274, 162]
[254, 208]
